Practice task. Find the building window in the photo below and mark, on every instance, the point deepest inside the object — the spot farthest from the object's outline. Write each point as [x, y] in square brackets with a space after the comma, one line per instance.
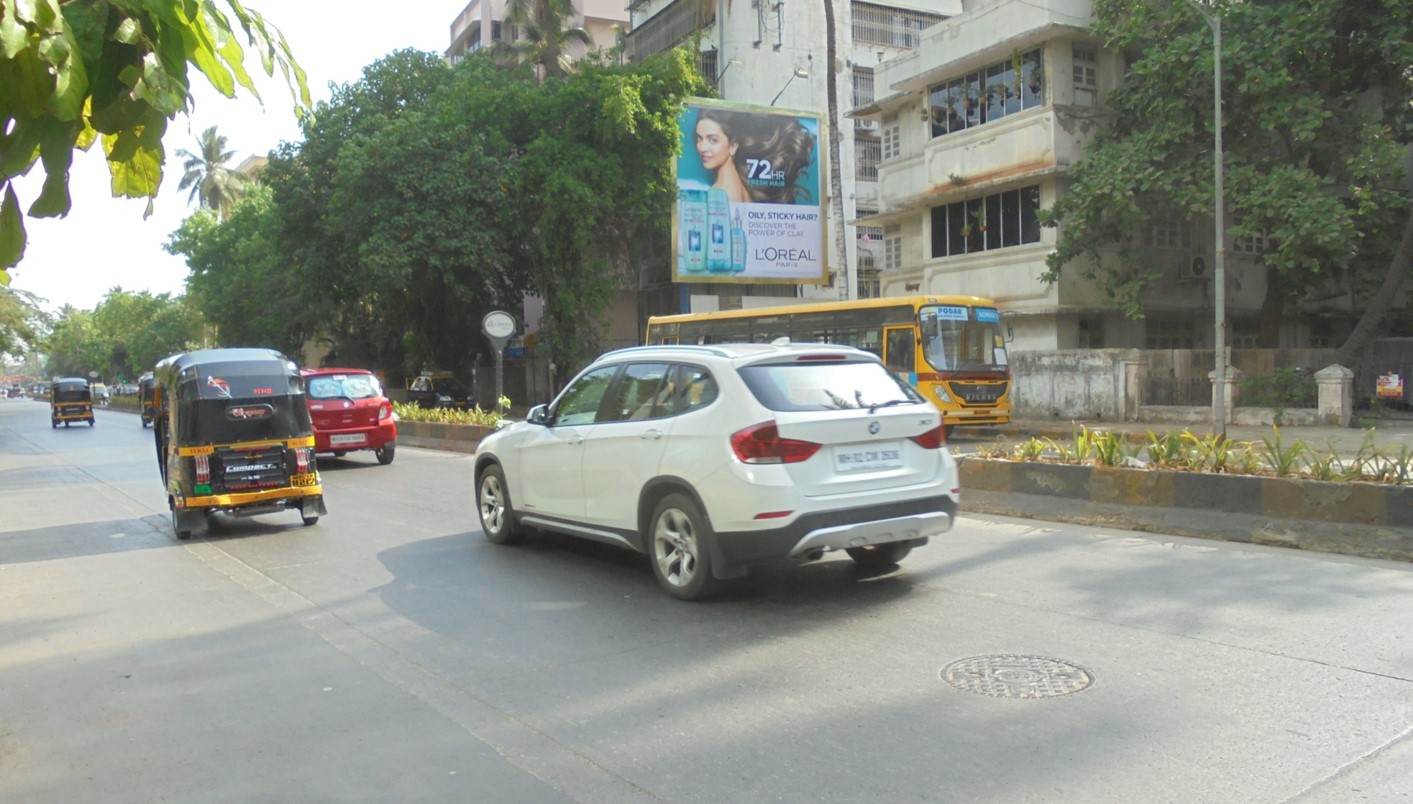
[1091, 333]
[869, 286]
[990, 93]
[1169, 233]
[892, 142]
[863, 86]
[1171, 333]
[1086, 75]
[867, 150]
[1321, 334]
[892, 247]
[1254, 243]
[1244, 333]
[884, 25]
[1011, 218]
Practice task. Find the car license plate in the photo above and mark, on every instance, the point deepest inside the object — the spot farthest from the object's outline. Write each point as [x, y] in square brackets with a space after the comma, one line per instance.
[348, 440]
[307, 479]
[869, 458]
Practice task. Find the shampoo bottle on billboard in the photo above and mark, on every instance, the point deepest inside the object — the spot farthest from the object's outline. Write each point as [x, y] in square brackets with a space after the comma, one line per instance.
[692, 206]
[738, 245]
[718, 256]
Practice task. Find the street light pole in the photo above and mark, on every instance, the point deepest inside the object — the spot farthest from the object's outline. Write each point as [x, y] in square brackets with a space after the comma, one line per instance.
[1219, 272]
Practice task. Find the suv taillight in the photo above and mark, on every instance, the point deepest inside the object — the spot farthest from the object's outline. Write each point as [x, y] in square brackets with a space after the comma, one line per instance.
[761, 443]
[935, 438]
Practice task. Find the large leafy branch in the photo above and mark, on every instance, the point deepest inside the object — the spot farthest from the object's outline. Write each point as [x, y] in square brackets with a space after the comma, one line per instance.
[113, 71]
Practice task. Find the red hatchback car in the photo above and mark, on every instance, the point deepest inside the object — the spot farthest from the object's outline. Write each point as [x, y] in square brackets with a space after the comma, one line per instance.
[350, 412]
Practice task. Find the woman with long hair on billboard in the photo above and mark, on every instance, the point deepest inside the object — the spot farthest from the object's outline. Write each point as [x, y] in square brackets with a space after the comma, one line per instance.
[718, 143]
[755, 157]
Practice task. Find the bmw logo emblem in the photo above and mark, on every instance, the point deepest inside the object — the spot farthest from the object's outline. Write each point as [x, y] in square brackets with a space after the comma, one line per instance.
[873, 428]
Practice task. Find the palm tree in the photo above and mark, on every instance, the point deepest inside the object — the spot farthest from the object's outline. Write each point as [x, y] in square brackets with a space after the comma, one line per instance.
[543, 33]
[216, 186]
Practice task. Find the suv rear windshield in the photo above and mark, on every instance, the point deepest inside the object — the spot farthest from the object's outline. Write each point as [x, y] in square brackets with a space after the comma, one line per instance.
[826, 385]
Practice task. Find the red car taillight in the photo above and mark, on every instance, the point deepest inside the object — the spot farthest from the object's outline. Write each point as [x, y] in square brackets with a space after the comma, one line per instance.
[203, 468]
[935, 438]
[761, 443]
[384, 411]
[302, 456]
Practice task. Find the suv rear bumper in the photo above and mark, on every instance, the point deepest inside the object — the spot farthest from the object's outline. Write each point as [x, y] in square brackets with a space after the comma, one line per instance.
[812, 534]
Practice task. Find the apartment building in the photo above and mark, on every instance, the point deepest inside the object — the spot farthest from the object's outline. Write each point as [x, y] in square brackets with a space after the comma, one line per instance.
[480, 24]
[776, 54]
[980, 125]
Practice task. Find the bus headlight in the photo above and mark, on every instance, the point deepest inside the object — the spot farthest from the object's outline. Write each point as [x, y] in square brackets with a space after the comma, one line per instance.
[940, 389]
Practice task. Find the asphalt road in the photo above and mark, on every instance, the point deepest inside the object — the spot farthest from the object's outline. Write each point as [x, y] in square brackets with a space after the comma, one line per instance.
[390, 653]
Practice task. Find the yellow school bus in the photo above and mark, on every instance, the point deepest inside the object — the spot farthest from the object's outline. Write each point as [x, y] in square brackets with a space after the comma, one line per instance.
[952, 349]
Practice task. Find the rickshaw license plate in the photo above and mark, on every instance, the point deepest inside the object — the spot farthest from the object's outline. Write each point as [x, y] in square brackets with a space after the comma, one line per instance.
[347, 440]
[309, 479]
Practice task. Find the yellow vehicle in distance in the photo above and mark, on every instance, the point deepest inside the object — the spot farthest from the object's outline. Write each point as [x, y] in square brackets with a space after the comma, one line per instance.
[952, 349]
[70, 400]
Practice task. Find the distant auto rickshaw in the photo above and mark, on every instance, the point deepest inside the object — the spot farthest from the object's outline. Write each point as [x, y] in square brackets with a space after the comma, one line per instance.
[146, 398]
[70, 400]
[233, 436]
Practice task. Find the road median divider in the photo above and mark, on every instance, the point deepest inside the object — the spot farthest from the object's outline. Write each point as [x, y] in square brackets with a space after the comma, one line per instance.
[1351, 518]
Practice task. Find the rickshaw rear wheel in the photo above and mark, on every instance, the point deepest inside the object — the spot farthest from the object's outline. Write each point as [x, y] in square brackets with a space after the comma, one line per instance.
[176, 526]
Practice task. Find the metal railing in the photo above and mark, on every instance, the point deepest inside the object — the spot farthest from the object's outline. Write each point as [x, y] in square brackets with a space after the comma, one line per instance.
[868, 152]
[894, 27]
[666, 29]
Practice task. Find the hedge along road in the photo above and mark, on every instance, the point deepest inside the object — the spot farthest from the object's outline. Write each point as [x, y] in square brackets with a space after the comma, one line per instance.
[391, 652]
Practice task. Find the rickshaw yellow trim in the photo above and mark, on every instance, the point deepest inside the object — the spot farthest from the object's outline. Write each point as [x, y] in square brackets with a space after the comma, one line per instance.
[188, 452]
[246, 498]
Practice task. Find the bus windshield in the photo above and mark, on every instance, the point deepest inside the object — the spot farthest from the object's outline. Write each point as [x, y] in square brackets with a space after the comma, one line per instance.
[956, 338]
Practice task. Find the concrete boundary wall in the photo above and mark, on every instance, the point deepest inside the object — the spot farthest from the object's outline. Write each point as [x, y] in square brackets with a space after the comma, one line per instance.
[1363, 519]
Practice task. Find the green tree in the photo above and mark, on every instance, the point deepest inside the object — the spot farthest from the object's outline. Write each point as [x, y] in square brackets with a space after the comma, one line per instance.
[1316, 98]
[214, 184]
[22, 321]
[136, 329]
[240, 280]
[544, 34]
[359, 309]
[74, 346]
[73, 73]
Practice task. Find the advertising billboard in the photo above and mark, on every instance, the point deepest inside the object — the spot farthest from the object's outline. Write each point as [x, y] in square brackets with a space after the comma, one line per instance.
[750, 196]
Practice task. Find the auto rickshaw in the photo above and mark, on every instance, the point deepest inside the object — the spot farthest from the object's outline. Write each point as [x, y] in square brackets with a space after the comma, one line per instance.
[70, 400]
[146, 403]
[233, 436]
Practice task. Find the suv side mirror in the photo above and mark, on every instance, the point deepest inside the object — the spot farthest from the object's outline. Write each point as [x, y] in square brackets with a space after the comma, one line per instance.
[537, 414]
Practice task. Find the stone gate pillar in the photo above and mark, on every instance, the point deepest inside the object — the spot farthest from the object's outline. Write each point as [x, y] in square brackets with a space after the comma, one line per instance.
[1336, 395]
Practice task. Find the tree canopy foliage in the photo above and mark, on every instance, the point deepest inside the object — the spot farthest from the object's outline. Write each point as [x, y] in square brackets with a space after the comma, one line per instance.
[125, 335]
[1316, 122]
[424, 196]
[74, 73]
[213, 183]
[22, 321]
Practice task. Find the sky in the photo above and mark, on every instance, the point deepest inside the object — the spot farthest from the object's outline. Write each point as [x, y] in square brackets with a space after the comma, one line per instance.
[105, 243]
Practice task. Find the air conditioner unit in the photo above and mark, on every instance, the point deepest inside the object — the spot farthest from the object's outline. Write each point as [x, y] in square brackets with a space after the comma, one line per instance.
[1193, 270]
[865, 125]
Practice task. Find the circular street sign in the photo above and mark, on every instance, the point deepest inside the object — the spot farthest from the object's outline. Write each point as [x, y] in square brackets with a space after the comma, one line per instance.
[498, 324]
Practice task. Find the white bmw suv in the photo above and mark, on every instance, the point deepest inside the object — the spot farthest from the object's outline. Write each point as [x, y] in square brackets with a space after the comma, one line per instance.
[711, 458]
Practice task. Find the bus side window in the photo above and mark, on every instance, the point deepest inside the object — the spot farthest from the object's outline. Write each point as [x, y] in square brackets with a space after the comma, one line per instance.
[898, 354]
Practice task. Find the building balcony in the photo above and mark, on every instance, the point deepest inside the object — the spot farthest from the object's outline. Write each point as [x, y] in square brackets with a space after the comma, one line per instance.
[666, 29]
[1017, 149]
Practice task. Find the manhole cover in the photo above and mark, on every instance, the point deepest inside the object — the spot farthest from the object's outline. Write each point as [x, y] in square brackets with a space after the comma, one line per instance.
[1010, 676]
